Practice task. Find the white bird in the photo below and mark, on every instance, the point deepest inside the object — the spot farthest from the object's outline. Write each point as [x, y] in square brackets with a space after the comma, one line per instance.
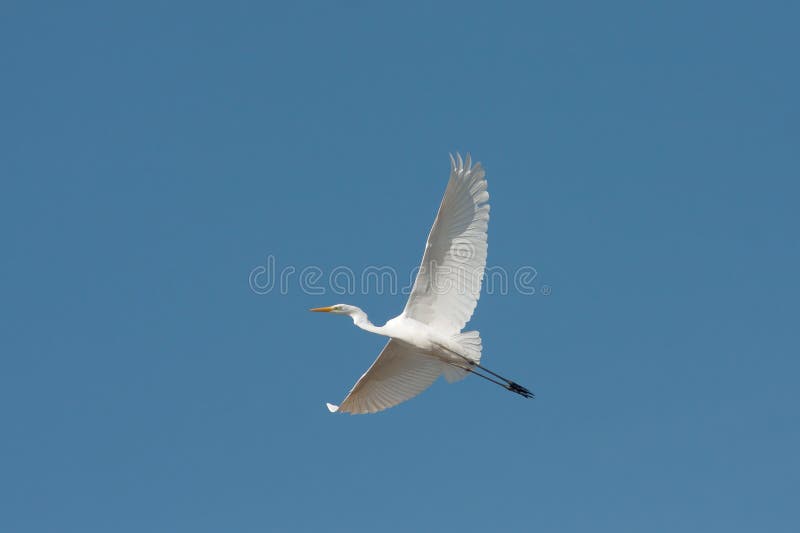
[426, 340]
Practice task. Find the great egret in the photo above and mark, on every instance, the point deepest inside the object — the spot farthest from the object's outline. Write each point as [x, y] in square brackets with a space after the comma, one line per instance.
[426, 340]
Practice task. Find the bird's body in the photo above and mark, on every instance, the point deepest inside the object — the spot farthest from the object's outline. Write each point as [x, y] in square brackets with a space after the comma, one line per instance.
[413, 333]
[426, 339]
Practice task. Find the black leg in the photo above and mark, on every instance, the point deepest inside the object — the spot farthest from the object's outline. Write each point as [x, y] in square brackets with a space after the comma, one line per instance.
[508, 385]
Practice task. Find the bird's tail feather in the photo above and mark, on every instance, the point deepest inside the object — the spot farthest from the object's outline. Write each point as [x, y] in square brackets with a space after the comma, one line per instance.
[470, 342]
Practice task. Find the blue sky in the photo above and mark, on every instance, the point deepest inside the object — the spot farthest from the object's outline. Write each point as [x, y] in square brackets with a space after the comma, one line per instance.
[642, 158]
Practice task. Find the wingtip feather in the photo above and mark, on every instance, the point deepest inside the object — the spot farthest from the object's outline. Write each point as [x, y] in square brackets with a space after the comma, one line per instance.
[332, 408]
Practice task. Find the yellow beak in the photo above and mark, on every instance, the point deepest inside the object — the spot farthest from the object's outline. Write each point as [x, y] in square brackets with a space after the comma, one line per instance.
[322, 309]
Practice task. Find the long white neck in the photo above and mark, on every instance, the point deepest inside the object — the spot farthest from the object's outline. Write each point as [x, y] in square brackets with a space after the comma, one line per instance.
[360, 319]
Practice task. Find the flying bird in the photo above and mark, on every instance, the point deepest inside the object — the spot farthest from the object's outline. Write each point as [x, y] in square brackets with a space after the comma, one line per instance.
[426, 340]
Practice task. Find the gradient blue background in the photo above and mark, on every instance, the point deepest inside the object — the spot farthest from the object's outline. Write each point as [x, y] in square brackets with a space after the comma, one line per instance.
[643, 158]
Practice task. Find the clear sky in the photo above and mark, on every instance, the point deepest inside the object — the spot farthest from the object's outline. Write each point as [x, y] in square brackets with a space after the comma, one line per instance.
[643, 158]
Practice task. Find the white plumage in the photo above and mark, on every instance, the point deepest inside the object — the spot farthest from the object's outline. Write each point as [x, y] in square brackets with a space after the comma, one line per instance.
[448, 284]
[426, 339]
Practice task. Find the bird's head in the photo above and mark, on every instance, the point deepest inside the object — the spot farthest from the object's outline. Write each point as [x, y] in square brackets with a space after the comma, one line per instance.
[338, 309]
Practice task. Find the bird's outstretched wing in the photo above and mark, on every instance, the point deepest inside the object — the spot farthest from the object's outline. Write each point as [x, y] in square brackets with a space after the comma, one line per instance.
[448, 284]
[397, 375]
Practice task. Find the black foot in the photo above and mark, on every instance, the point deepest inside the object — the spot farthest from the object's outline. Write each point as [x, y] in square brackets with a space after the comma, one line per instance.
[519, 389]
